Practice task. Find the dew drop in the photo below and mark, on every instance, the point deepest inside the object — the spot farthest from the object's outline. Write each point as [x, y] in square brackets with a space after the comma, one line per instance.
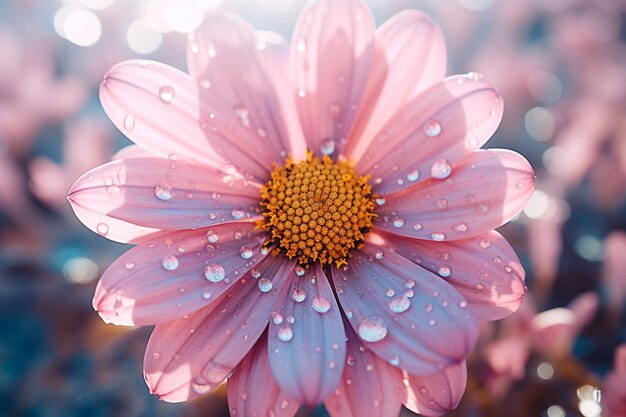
[277, 318]
[170, 263]
[166, 94]
[399, 304]
[327, 147]
[246, 252]
[437, 236]
[444, 271]
[285, 334]
[261, 132]
[214, 273]
[460, 227]
[413, 175]
[409, 293]
[463, 304]
[379, 255]
[255, 273]
[417, 226]
[301, 45]
[113, 191]
[432, 128]
[265, 285]
[299, 270]
[206, 295]
[372, 329]
[163, 192]
[129, 122]
[442, 203]
[102, 229]
[380, 201]
[483, 208]
[508, 268]
[211, 236]
[242, 113]
[395, 361]
[298, 295]
[441, 169]
[237, 214]
[480, 286]
[484, 244]
[129, 265]
[398, 223]
[390, 292]
[320, 304]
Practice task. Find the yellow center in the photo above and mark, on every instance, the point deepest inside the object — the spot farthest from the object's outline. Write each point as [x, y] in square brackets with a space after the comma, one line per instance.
[316, 210]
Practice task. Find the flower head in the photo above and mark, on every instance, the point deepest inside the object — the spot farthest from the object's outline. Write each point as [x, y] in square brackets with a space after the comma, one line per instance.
[313, 224]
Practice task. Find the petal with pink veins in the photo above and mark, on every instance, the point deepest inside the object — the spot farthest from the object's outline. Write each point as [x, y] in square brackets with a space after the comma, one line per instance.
[404, 313]
[442, 125]
[483, 269]
[307, 341]
[410, 56]
[436, 394]
[331, 54]
[156, 106]
[252, 390]
[242, 113]
[484, 191]
[369, 387]
[177, 273]
[193, 355]
[165, 194]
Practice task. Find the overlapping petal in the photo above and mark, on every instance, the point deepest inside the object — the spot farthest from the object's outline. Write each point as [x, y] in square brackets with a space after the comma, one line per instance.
[447, 122]
[165, 194]
[331, 54]
[306, 338]
[253, 391]
[404, 313]
[436, 394]
[410, 56]
[483, 269]
[177, 273]
[484, 191]
[369, 387]
[241, 113]
[156, 106]
[193, 355]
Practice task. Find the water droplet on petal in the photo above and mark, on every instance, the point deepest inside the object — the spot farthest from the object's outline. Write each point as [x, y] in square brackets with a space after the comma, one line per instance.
[237, 214]
[301, 45]
[373, 329]
[399, 304]
[413, 175]
[206, 295]
[444, 271]
[438, 236]
[246, 252]
[327, 147]
[460, 227]
[441, 169]
[484, 244]
[432, 128]
[265, 285]
[442, 203]
[395, 361]
[380, 201]
[285, 334]
[170, 262]
[409, 293]
[242, 113]
[113, 191]
[298, 295]
[398, 223]
[214, 273]
[163, 192]
[211, 236]
[417, 226]
[320, 304]
[166, 94]
[129, 122]
[299, 270]
[277, 318]
[129, 265]
[102, 229]
[379, 255]
[390, 292]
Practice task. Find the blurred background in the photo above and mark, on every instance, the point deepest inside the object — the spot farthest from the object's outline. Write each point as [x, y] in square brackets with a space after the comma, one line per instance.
[561, 67]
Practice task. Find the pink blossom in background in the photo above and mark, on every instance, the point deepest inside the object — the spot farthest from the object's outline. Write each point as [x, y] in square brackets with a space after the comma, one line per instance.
[614, 271]
[614, 386]
[391, 327]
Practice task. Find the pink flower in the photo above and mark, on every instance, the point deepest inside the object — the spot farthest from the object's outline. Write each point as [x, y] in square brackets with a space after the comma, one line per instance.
[387, 221]
[614, 391]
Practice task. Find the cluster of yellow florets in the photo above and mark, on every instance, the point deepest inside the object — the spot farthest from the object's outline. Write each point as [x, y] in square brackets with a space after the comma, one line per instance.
[316, 210]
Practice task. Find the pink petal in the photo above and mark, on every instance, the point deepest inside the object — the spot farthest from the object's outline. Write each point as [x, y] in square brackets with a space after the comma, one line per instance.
[614, 270]
[447, 122]
[410, 56]
[156, 106]
[369, 387]
[165, 194]
[483, 269]
[331, 54]
[193, 355]
[138, 290]
[436, 394]
[555, 330]
[243, 114]
[486, 190]
[375, 290]
[252, 389]
[307, 355]
[508, 356]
